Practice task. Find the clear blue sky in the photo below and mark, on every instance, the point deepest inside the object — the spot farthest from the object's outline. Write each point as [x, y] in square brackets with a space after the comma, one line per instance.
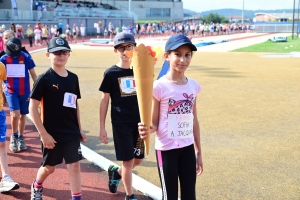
[204, 5]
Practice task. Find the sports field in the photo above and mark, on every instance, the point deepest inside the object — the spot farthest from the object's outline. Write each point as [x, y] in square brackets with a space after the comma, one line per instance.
[249, 116]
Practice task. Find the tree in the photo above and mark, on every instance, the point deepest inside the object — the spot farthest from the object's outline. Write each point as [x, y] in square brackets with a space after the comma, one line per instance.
[215, 18]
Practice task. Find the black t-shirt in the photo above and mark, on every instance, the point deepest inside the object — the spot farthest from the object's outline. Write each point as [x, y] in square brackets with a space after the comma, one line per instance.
[58, 104]
[120, 84]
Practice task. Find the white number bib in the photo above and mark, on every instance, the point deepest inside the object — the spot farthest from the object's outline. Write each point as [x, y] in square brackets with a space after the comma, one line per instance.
[70, 100]
[180, 126]
[15, 70]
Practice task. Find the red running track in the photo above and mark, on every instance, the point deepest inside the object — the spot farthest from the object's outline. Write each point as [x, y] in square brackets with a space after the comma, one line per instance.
[23, 167]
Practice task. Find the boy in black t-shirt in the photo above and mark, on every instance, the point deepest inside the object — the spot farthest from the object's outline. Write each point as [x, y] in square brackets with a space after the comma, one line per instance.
[57, 91]
[118, 85]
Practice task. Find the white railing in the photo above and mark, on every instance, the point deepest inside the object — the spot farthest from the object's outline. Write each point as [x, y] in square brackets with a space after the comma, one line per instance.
[25, 15]
[275, 27]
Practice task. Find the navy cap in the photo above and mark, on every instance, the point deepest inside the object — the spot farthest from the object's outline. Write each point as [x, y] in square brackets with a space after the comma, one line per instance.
[123, 37]
[13, 47]
[176, 41]
[57, 44]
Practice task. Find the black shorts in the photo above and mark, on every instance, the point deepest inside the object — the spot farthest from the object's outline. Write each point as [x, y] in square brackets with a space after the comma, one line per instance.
[69, 151]
[127, 141]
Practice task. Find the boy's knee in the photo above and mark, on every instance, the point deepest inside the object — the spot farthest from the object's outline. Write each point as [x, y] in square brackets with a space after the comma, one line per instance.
[48, 169]
[138, 161]
[128, 163]
[15, 114]
[73, 167]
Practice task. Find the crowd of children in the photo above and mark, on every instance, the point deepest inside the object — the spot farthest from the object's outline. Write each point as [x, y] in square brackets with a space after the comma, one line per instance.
[40, 34]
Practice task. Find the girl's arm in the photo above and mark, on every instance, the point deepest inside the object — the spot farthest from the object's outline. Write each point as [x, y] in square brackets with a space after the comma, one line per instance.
[155, 115]
[197, 144]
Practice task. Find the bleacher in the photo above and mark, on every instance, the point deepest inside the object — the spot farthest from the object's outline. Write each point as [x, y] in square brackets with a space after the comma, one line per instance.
[76, 9]
[78, 12]
[83, 9]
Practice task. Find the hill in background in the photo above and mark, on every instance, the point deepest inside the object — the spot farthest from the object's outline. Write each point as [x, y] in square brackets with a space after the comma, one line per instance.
[237, 12]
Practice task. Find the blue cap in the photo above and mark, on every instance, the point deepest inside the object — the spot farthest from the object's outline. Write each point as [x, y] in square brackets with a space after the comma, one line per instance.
[178, 40]
[123, 37]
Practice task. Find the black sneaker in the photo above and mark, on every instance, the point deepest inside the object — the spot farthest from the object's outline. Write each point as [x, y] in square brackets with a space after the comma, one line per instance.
[112, 182]
[131, 197]
[36, 193]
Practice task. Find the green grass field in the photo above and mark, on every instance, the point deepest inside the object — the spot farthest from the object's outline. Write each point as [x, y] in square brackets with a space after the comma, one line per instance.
[274, 47]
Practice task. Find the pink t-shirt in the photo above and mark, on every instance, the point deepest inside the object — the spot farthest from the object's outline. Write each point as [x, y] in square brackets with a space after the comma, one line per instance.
[175, 128]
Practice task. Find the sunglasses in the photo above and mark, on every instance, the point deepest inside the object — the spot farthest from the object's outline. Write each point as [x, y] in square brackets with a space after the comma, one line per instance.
[127, 48]
[61, 52]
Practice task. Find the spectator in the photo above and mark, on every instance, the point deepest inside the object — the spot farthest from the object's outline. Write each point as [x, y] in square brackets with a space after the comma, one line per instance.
[44, 35]
[111, 28]
[124, 29]
[137, 29]
[82, 32]
[98, 29]
[68, 33]
[37, 35]
[1, 40]
[29, 33]
[75, 32]
[19, 31]
[57, 4]
[60, 26]
[13, 27]
[118, 29]
[105, 32]
[39, 12]
[53, 31]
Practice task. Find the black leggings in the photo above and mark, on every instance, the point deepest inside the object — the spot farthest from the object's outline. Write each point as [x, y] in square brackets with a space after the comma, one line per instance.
[174, 164]
[30, 40]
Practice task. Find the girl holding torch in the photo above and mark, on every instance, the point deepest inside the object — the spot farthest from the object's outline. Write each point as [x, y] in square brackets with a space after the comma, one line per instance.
[174, 119]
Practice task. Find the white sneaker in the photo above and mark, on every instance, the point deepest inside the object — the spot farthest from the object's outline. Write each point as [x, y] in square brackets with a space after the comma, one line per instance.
[8, 184]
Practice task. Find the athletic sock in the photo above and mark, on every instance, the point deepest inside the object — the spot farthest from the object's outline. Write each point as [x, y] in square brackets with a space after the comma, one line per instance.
[20, 136]
[16, 134]
[128, 197]
[37, 184]
[76, 196]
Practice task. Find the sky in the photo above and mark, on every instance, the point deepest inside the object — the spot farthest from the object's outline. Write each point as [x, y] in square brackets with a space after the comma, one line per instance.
[205, 5]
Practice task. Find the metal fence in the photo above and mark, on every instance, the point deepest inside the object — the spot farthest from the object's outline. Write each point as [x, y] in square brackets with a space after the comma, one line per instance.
[276, 27]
